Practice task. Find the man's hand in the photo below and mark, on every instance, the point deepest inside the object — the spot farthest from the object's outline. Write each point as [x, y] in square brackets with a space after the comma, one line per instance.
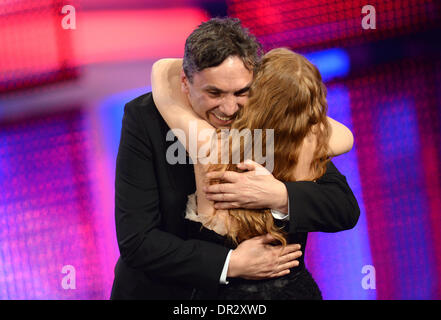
[254, 189]
[256, 259]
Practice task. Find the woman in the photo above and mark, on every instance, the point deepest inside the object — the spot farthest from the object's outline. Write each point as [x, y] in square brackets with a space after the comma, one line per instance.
[287, 96]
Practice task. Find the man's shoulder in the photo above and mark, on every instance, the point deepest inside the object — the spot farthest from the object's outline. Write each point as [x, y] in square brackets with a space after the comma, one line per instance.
[143, 104]
[143, 110]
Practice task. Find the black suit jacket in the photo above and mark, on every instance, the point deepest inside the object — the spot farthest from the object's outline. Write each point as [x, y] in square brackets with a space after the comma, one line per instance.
[157, 261]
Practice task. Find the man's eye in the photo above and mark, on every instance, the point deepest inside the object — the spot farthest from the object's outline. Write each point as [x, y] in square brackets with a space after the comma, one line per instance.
[214, 94]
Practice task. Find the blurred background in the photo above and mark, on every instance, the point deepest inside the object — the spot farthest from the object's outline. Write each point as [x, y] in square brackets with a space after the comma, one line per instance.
[62, 94]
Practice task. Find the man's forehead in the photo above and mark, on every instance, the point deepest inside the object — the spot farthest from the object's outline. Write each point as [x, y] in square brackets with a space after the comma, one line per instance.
[222, 81]
[231, 71]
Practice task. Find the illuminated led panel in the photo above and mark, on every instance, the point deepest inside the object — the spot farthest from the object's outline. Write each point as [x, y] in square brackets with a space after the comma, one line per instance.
[46, 209]
[395, 115]
[34, 47]
[318, 24]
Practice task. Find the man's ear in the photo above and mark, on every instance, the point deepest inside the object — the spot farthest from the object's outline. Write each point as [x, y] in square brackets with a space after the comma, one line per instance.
[184, 82]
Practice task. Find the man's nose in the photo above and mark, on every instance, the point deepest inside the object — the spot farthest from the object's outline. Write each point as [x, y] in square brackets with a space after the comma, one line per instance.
[229, 106]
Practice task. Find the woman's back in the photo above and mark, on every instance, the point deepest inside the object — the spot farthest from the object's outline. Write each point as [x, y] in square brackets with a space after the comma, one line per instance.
[219, 220]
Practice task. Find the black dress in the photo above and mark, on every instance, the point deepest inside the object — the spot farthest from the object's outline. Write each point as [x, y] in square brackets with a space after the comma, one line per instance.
[297, 285]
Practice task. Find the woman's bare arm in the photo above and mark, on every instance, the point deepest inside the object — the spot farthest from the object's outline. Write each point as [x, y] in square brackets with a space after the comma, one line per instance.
[175, 108]
[341, 140]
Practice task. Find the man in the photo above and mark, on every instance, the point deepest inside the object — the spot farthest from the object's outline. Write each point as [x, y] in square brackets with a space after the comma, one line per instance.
[157, 260]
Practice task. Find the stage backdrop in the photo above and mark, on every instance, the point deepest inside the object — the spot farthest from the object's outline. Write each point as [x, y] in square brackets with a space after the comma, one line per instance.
[62, 94]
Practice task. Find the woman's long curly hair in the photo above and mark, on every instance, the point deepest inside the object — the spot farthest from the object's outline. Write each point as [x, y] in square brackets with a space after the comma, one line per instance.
[288, 96]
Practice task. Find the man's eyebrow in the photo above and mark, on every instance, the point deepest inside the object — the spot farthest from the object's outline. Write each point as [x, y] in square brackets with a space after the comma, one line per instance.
[212, 88]
[243, 90]
[240, 91]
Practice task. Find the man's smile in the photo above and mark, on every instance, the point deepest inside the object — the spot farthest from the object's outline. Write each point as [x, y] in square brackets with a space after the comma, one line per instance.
[223, 120]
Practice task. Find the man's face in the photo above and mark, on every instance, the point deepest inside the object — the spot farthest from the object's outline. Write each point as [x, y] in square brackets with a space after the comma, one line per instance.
[217, 93]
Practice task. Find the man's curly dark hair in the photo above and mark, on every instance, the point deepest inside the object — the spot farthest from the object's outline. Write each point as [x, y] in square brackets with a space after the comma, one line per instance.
[217, 39]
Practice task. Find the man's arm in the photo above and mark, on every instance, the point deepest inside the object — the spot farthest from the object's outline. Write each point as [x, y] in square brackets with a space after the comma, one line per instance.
[327, 205]
[144, 246]
[142, 243]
